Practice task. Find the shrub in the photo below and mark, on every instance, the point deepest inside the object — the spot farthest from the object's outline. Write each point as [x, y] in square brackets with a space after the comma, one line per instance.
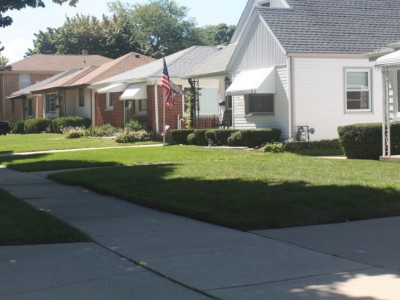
[17, 127]
[37, 125]
[102, 131]
[323, 144]
[134, 126]
[74, 133]
[201, 137]
[273, 148]
[219, 136]
[181, 136]
[60, 123]
[132, 136]
[254, 138]
[191, 139]
[364, 141]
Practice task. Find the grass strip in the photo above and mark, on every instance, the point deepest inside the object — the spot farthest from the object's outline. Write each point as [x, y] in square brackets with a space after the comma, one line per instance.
[22, 224]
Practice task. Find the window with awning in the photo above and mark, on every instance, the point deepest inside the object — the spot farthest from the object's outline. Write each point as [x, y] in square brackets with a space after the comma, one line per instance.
[260, 81]
[113, 88]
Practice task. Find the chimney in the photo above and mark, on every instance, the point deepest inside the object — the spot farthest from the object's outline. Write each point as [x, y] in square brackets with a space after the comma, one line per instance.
[85, 52]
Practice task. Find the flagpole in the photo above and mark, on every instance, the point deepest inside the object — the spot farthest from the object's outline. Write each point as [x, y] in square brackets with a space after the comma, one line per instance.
[164, 132]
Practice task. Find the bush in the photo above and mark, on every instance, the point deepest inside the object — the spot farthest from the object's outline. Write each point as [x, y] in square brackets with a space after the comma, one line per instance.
[364, 141]
[191, 139]
[273, 148]
[254, 138]
[219, 136]
[181, 136]
[74, 133]
[323, 144]
[132, 136]
[201, 137]
[17, 127]
[102, 131]
[60, 123]
[133, 126]
[37, 125]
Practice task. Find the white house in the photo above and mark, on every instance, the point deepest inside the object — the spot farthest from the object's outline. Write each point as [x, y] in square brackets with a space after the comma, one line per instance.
[300, 65]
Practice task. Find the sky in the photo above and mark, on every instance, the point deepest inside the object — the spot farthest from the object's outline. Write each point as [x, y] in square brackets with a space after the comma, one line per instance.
[18, 37]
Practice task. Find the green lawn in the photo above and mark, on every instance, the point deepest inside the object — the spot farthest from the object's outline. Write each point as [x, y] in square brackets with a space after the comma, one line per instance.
[51, 141]
[241, 189]
[21, 224]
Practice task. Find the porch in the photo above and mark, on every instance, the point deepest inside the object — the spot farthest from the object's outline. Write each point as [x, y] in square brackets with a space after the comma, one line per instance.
[393, 158]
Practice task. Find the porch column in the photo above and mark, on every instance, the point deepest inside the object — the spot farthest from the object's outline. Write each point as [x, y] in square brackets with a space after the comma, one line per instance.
[386, 138]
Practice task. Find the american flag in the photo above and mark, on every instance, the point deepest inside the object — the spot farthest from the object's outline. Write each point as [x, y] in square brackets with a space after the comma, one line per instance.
[166, 84]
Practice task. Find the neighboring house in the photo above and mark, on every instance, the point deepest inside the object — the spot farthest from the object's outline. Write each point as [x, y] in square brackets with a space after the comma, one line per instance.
[300, 65]
[136, 95]
[70, 95]
[31, 70]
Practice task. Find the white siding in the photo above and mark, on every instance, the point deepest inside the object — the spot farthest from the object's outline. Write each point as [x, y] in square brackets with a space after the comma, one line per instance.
[72, 103]
[71, 96]
[280, 119]
[319, 96]
[257, 49]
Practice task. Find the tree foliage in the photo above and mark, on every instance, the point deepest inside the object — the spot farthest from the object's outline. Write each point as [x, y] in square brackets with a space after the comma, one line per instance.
[6, 5]
[156, 29]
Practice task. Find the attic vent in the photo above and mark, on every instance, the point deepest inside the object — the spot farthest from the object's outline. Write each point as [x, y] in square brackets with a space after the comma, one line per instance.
[137, 55]
[265, 3]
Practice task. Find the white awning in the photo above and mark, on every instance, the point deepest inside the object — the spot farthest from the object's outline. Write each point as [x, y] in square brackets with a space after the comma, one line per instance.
[260, 81]
[113, 88]
[387, 60]
[135, 92]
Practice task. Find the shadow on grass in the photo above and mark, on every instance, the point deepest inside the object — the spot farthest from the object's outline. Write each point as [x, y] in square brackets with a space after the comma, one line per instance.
[30, 163]
[238, 203]
[318, 152]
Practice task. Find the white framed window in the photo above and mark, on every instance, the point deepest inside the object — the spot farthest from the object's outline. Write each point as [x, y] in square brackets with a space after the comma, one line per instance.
[142, 106]
[81, 98]
[109, 101]
[358, 90]
[51, 102]
[259, 104]
[24, 80]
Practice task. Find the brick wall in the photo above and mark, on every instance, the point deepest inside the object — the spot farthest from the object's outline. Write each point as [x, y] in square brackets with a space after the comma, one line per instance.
[113, 116]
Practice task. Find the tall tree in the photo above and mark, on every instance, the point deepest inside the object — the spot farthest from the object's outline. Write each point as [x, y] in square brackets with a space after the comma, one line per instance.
[6, 5]
[164, 27]
[214, 35]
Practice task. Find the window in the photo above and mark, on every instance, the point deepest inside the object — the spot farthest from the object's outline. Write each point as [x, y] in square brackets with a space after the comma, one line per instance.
[109, 101]
[228, 102]
[142, 106]
[81, 98]
[358, 90]
[29, 109]
[259, 103]
[24, 80]
[51, 103]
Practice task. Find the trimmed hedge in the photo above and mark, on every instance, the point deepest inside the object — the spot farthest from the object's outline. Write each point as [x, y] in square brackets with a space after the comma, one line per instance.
[219, 137]
[181, 136]
[59, 123]
[36, 125]
[254, 138]
[18, 127]
[323, 144]
[198, 137]
[364, 141]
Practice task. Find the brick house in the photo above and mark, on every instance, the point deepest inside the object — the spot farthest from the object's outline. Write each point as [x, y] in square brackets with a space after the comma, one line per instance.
[136, 95]
[70, 95]
[31, 70]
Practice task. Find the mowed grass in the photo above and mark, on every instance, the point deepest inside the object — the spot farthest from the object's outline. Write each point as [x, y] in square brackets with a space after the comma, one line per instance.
[21, 224]
[235, 188]
[51, 141]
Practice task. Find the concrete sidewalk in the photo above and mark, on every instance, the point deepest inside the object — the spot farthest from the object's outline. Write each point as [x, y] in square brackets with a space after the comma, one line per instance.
[141, 253]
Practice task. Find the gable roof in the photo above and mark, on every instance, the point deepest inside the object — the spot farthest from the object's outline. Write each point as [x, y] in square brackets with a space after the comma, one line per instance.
[216, 65]
[179, 64]
[336, 27]
[90, 74]
[28, 90]
[56, 63]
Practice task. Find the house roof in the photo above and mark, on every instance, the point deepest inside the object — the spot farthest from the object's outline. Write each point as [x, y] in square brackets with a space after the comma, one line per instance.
[216, 65]
[91, 74]
[56, 63]
[179, 64]
[28, 90]
[336, 27]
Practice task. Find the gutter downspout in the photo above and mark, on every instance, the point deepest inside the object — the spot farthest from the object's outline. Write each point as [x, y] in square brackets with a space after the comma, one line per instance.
[291, 83]
[156, 107]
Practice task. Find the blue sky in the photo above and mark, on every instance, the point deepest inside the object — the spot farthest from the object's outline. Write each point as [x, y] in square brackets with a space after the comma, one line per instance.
[18, 37]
